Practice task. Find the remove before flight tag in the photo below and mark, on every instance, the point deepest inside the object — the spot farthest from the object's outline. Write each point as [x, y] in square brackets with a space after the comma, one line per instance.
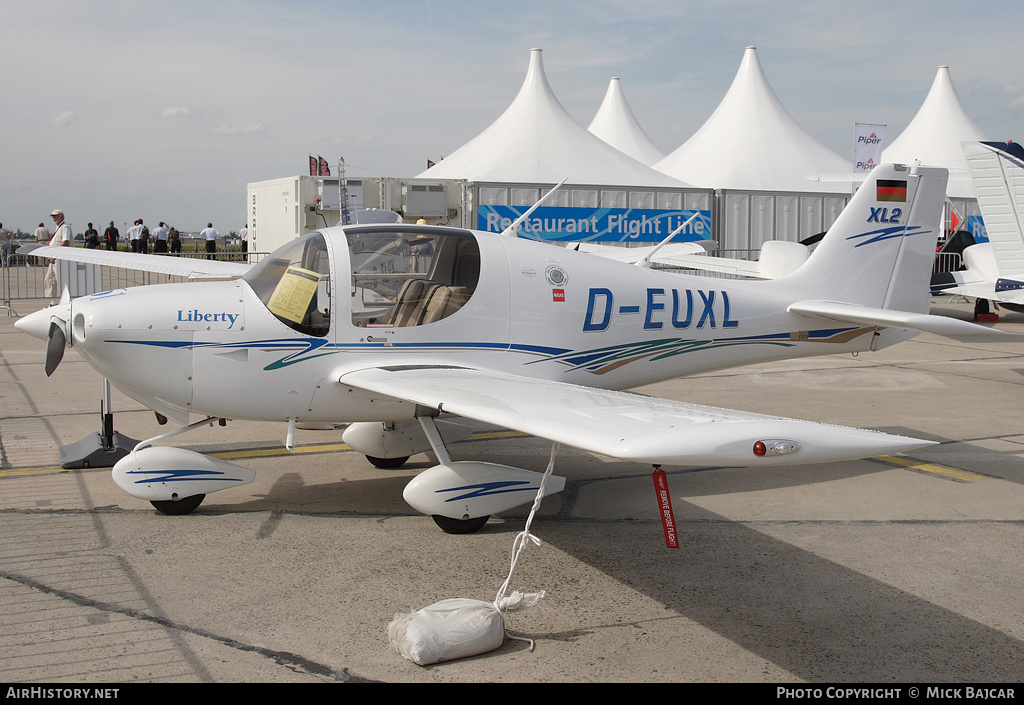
[668, 520]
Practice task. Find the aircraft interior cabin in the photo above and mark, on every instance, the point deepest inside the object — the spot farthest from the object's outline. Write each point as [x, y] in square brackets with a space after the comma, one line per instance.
[410, 276]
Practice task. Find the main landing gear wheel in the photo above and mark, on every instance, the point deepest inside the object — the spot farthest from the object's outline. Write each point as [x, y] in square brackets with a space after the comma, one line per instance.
[459, 526]
[178, 507]
[387, 463]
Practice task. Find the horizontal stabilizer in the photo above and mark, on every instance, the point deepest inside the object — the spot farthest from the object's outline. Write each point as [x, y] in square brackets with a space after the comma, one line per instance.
[885, 318]
[188, 267]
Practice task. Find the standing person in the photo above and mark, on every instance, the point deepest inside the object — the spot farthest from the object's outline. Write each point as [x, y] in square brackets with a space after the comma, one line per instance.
[110, 237]
[61, 238]
[6, 242]
[175, 240]
[210, 235]
[144, 239]
[243, 235]
[42, 237]
[92, 238]
[160, 235]
[134, 233]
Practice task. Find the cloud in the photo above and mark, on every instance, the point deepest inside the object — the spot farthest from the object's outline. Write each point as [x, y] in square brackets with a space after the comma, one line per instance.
[250, 129]
[174, 111]
[64, 118]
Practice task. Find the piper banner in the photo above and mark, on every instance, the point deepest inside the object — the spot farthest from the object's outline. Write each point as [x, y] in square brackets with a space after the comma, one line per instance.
[867, 147]
[557, 223]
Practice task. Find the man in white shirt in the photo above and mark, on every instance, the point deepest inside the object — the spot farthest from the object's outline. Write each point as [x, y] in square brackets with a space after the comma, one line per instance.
[210, 235]
[61, 238]
[243, 235]
[135, 236]
[42, 238]
[160, 238]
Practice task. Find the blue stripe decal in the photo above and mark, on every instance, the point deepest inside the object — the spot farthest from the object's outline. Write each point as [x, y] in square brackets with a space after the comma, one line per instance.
[178, 475]
[485, 489]
[883, 234]
[304, 349]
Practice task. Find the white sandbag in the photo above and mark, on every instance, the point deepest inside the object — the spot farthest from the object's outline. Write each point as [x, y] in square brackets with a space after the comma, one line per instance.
[447, 630]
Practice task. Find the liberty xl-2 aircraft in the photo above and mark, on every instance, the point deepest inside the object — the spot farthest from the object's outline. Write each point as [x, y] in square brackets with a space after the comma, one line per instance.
[389, 327]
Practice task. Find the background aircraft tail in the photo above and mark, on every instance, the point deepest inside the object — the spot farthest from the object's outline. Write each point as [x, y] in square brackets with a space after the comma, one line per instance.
[880, 251]
[997, 171]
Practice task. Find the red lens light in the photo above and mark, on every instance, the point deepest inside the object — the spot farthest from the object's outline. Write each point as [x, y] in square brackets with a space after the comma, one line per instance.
[760, 449]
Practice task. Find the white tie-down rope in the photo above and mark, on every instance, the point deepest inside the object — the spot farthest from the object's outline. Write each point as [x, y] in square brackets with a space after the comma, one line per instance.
[518, 600]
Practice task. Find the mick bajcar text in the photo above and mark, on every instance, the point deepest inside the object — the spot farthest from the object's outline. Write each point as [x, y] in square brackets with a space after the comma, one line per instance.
[927, 692]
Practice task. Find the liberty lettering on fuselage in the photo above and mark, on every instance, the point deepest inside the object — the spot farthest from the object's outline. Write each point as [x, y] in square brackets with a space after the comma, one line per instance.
[676, 308]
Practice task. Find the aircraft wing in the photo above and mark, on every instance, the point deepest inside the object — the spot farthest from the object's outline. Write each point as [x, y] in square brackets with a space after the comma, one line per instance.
[707, 263]
[688, 255]
[632, 255]
[886, 318]
[622, 425]
[190, 267]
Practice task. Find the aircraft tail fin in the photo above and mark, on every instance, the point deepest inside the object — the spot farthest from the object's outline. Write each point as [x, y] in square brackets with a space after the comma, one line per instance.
[879, 252]
[997, 172]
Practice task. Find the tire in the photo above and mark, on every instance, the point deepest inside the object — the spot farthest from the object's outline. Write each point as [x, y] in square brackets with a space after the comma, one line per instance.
[178, 507]
[387, 463]
[460, 526]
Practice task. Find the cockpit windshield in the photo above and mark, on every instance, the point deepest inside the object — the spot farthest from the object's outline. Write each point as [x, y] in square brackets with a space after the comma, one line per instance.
[294, 284]
[411, 275]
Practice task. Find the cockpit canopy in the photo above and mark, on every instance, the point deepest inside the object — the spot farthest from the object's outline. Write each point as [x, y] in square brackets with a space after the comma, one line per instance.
[410, 275]
[294, 284]
[401, 276]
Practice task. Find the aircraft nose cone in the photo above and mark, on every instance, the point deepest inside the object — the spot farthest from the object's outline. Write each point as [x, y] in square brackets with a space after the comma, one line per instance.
[36, 324]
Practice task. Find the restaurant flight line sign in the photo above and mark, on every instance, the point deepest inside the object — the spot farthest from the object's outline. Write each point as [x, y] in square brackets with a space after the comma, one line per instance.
[559, 223]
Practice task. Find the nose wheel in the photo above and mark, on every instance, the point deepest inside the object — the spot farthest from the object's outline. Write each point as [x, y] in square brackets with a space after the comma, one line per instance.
[460, 526]
[178, 507]
[387, 463]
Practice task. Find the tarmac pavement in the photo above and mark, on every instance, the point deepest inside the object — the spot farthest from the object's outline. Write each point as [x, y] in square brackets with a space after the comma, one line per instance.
[891, 570]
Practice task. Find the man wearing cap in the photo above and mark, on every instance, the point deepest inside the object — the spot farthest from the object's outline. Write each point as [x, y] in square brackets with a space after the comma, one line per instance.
[61, 238]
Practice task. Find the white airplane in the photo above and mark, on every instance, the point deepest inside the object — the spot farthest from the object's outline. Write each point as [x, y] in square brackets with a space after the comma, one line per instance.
[388, 327]
[993, 270]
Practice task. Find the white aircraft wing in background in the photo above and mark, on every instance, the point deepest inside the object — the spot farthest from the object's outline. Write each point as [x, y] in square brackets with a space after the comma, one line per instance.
[632, 255]
[189, 267]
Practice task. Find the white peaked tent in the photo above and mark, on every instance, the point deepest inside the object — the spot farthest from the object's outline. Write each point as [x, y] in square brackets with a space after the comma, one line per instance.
[615, 124]
[933, 137]
[536, 141]
[751, 142]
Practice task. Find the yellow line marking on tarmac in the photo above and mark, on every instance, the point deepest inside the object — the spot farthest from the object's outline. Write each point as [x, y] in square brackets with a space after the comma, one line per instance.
[27, 472]
[337, 447]
[918, 465]
[271, 452]
[931, 468]
[257, 453]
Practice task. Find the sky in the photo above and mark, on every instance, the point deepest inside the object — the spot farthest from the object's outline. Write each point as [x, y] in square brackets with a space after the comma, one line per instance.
[117, 110]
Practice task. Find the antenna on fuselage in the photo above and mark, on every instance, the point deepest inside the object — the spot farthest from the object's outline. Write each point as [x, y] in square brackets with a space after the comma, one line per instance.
[511, 230]
[645, 261]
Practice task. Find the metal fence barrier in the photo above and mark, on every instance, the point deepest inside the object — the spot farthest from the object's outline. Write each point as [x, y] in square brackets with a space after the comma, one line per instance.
[947, 262]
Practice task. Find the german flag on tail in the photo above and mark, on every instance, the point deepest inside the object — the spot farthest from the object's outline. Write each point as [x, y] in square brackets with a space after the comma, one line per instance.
[892, 190]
